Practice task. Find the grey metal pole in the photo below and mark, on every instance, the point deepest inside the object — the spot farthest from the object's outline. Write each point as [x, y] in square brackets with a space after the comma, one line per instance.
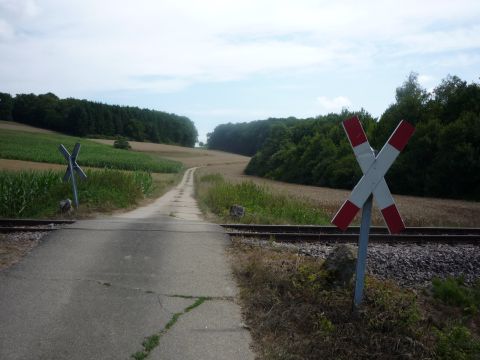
[362, 252]
[74, 183]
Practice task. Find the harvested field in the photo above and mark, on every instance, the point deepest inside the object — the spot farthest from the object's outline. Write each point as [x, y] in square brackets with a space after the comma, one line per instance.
[190, 157]
[416, 211]
[10, 125]
[19, 165]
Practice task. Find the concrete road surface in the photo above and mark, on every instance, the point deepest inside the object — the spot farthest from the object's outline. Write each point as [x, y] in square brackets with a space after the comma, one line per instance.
[98, 288]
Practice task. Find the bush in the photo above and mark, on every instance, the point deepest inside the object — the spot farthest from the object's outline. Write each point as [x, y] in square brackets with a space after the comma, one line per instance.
[121, 143]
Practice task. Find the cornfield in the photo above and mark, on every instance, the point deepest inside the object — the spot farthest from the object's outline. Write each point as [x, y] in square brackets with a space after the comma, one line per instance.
[19, 190]
[43, 148]
[37, 193]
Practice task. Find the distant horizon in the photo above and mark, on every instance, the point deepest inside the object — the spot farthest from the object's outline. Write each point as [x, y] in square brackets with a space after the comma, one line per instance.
[204, 139]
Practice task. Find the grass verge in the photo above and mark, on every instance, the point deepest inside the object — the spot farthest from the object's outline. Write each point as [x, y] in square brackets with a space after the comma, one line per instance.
[37, 194]
[294, 312]
[44, 148]
[261, 204]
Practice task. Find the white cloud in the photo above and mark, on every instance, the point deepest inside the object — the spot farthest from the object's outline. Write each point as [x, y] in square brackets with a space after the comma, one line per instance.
[334, 104]
[235, 113]
[19, 9]
[6, 31]
[425, 79]
[455, 39]
[105, 45]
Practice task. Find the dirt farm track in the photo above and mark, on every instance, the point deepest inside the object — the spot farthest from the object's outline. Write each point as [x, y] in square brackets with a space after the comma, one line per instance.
[415, 210]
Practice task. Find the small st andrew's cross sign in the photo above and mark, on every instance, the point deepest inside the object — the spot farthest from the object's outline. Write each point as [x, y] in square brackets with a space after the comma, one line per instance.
[72, 168]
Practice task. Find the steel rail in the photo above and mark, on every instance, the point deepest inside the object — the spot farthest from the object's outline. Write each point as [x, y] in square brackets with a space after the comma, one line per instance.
[327, 234]
[316, 229]
[33, 222]
[353, 238]
[31, 225]
[12, 229]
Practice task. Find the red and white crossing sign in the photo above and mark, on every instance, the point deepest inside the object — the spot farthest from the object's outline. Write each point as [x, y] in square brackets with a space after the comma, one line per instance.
[374, 169]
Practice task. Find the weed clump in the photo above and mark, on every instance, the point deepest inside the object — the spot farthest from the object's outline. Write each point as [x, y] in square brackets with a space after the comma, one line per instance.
[457, 343]
[453, 291]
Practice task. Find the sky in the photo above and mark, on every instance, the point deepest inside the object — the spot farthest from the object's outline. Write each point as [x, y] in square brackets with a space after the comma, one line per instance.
[235, 61]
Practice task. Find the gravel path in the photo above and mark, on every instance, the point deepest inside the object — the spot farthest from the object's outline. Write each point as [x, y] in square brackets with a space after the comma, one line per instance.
[407, 264]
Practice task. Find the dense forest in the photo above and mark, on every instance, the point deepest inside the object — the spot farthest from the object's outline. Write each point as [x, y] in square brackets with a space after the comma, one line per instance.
[87, 118]
[243, 138]
[442, 158]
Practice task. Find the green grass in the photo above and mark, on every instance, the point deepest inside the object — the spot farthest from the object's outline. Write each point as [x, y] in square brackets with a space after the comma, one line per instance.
[453, 291]
[44, 148]
[197, 303]
[151, 342]
[261, 204]
[37, 193]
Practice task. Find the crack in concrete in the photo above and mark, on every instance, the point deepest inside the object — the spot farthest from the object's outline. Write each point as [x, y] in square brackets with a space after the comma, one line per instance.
[152, 341]
[97, 281]
[113, 285]
[209, 298]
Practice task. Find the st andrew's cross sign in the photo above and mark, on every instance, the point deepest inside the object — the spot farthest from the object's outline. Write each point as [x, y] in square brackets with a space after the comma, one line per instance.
[72, 167]
[374, 168]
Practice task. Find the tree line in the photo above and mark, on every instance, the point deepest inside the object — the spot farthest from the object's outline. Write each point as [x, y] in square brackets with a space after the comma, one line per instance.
[243, 138]
[442, 158]
[88, 118]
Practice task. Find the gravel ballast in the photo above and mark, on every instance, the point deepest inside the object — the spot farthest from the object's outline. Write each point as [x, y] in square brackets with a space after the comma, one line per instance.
[406, 264]
[14, 246]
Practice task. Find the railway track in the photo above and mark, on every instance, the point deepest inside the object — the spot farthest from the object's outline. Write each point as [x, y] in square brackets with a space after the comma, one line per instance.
[327, 234]
[31, 225]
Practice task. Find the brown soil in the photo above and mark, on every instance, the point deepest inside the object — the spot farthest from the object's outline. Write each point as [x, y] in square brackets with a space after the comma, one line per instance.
[10, 125]
[19, 165]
